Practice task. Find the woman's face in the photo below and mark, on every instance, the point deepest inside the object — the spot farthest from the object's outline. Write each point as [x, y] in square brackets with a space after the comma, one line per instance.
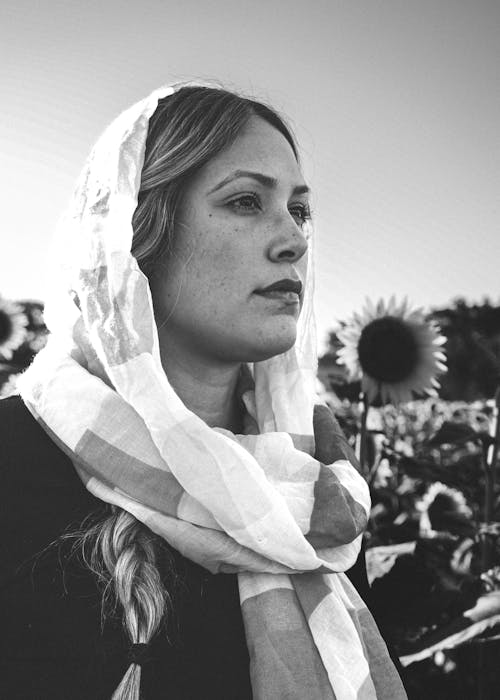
[239, 230]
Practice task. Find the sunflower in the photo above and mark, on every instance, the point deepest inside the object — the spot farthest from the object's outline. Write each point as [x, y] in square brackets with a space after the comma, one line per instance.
[13, 324]
[393, 350]
[443, 508]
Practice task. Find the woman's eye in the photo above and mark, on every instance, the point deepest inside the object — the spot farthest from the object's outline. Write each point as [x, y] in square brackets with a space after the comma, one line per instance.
[301, 212]
[250, 203]
[246, 202]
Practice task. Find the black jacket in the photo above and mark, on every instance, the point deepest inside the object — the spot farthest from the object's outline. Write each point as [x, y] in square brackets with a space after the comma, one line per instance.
[52, 644]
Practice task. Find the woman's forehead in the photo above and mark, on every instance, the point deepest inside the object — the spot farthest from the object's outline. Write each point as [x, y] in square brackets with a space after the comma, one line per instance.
[260, 148]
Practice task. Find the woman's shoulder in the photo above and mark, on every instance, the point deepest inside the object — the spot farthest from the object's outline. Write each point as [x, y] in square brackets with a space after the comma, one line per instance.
[40, 492]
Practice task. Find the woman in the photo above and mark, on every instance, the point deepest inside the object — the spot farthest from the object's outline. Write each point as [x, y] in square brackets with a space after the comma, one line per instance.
[178, 381]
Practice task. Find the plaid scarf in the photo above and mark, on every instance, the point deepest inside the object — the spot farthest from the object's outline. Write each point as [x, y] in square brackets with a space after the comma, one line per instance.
[258, 504]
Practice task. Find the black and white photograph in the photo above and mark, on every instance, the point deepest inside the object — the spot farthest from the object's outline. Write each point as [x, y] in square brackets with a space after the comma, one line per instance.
[250, 350]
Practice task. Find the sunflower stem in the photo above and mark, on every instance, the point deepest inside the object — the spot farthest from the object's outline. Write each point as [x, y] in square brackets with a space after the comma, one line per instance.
[363, 436]
[372, 472]
[488, 510]
[490, 454]
[495, 434]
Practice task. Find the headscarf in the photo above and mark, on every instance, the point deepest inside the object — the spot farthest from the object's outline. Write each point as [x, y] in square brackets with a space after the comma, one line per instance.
[257, 504]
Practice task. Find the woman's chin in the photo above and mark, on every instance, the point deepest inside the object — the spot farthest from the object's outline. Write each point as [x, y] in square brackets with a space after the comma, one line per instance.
[273, 339]
[253, 341]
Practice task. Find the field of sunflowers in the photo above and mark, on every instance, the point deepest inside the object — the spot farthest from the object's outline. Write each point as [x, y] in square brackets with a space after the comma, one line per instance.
[432, 545]
[433, 561]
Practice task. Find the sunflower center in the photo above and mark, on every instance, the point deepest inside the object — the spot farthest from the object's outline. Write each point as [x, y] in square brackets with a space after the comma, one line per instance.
[387, 350]
[6, 326]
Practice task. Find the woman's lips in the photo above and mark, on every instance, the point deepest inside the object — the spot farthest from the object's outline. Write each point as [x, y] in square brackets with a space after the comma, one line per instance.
[280, 295]
[287, 291]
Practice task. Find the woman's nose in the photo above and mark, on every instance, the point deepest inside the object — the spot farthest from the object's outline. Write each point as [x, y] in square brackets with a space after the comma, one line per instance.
[290, 244]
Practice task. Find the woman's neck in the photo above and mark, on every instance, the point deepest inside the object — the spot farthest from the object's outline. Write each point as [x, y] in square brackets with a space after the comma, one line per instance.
[206, 388]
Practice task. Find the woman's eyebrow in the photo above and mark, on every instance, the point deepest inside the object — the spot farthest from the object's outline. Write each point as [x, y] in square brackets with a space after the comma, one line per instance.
[266, 180]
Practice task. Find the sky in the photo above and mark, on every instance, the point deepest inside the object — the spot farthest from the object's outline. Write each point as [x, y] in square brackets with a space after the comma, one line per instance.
[395, 104]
